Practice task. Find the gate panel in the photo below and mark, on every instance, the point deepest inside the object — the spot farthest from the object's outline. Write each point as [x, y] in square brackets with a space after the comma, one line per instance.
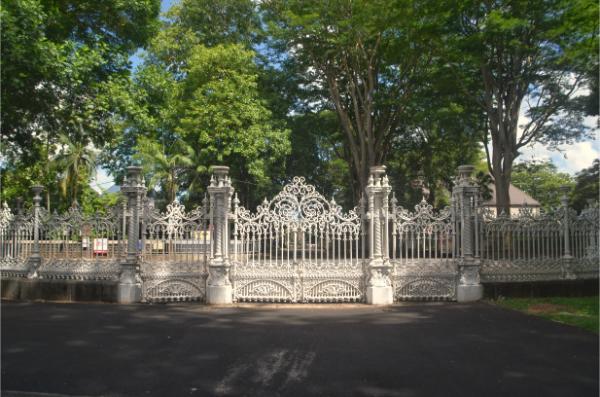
[175, 248]
[297, 247]
[423, 253]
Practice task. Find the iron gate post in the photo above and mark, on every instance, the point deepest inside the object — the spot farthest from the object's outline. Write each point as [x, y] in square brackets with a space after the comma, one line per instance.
[218, 289]
[35, 260]
[130, 281]
[379, 285]
[464, 197]
[567, 257]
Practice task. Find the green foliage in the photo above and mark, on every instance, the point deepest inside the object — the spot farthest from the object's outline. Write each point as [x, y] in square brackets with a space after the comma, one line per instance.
[60, 61]
[542, 181]
[77, 160]
[281, 88]
[93, 202]
[193, 104]
[164, 164]
[518, 54]
[216, 22]
[587, 187]
[56, 56]
[317, 154]
[365, 60]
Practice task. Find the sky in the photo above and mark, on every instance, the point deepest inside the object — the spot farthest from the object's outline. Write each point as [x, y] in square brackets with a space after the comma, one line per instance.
[569, 158]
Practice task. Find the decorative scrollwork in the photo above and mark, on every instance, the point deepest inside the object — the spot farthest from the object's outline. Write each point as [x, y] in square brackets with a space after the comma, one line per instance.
[175, 222]
[423, 220]
[174, 289]
[73, 223]
[6, 217]
[299, 206]
[425, 288]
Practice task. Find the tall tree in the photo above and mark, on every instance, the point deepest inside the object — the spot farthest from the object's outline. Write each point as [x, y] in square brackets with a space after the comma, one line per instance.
[529, 57]
[164, 165]
[76, 160]
[54, 56]
[372, 58]
[207, 96]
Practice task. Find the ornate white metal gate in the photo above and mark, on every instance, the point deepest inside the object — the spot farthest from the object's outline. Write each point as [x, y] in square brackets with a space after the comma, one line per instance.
[298, 247]
[423, 253]
[175, 248]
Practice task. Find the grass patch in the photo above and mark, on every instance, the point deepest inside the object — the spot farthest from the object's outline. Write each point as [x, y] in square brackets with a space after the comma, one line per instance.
[581, 312]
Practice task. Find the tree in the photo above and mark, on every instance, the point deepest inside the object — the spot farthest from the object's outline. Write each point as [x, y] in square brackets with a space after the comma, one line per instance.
[77, 161]
[55, 56]
[587, 186]
[542, 181]
[529, 56]
[164, 165]
[372, 58]
[187, 93]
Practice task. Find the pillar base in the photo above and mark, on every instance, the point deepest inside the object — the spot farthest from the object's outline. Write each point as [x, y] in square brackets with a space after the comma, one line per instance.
[129, 293]
[219, 294]
[469, 293]
[380, 295]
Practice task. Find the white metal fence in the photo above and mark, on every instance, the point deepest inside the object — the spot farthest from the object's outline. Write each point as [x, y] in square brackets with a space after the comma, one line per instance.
[299, 246]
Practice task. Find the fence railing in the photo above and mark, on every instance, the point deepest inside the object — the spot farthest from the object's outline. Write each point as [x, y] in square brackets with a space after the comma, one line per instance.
[422, 234]
[16, 238]
[176, 235]
[75, 235]
[300, 226]
[527, 237]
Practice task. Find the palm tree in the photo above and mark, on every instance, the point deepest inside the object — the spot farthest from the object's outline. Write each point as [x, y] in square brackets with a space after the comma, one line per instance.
[166, 165]
[77, 160]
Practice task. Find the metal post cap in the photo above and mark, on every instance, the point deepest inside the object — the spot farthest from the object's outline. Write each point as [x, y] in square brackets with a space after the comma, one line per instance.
[377, 170]
[219, 170]
[37, 189]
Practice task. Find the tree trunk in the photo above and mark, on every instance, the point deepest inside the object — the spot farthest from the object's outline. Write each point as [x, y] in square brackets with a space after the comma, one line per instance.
[502, 184]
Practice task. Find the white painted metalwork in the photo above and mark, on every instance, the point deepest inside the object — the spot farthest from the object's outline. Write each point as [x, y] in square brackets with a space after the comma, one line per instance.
[76, 235]
[16, 242]
[79, 246]
[175, 247]
[298, 247]
[547, 246]
[423, 252]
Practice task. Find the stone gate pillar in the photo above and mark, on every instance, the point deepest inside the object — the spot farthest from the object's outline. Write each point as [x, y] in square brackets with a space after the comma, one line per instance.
[464, 196]
[130, 282]
[218, 289]
[379, 285]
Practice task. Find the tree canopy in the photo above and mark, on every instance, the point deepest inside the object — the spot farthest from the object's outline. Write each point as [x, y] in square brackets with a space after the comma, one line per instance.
[520, 56]
[280, 88]
[542, 181]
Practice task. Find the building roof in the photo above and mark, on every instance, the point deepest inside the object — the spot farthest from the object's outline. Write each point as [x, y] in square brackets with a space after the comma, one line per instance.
[518, 198]
[113, 189]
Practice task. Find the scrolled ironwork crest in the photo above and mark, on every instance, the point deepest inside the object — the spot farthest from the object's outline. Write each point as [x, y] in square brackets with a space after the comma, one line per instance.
[423, 220]
[300, 207]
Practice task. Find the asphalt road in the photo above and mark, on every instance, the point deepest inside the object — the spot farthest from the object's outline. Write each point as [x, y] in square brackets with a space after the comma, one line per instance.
[416, 349]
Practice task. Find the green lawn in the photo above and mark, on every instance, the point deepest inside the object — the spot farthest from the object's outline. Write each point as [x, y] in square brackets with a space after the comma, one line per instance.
[580, 312]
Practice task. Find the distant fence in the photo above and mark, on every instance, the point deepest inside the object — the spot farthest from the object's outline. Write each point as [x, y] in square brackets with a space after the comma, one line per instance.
[299, 246]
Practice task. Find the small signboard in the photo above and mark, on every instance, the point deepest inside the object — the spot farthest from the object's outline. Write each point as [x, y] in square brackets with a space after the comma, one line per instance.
[100, 246]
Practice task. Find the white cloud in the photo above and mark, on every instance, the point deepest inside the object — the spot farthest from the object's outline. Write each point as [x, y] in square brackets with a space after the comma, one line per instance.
[571, 158]
[568, 158]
